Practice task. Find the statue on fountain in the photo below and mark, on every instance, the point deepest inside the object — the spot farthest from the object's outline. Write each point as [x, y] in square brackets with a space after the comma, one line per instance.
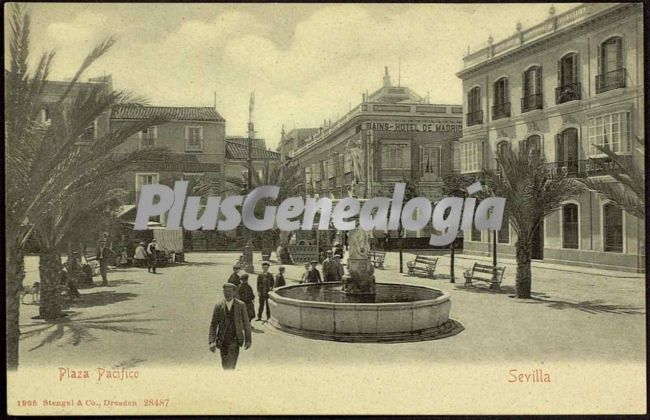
[360, 278]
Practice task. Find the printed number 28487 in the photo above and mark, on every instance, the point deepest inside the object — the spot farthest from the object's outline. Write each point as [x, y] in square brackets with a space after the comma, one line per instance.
[156, 402]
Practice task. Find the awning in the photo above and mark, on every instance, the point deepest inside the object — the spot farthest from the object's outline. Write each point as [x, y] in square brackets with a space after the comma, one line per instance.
[125, 209]
[169, 240]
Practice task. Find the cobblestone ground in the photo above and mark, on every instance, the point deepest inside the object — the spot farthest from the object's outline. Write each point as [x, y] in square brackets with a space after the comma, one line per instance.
[143, 319]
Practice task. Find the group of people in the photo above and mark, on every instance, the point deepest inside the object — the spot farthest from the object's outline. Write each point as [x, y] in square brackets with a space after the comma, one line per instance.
[146, 256]
[265, 283]
[332, 269]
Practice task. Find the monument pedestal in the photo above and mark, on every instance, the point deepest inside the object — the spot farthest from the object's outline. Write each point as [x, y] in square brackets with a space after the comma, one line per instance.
[361, 278]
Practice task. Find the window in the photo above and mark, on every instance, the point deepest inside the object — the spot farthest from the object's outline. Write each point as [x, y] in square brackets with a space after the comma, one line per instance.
[45, 117]
[430, 162]
[502, 147]
[148, 136]
[193, 179]
[474, 112]
[570, 235]
[532, 144]
[330, 168]
[475, 235]
[532, 86]
[566, 150]
[90, 133]
[568, 83]
[194, 139]
[348, 163]
[308, 176]
[612, 228]
[471, 156]
[501, 107]
[610, 65]
[396, 156]
[144, 179]
[612, 131]
[315, 170]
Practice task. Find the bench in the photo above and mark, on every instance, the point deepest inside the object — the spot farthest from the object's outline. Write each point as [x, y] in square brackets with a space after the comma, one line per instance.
[377, 258]
[423, 264]
[484, 272]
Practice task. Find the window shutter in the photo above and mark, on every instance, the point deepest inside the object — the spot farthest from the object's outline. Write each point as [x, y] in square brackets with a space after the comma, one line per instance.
[576, 68]
[470, 104]
[538, 81]
[559, 149]
[600, 59]
[560, 77]
[619, 53]
[524, 85]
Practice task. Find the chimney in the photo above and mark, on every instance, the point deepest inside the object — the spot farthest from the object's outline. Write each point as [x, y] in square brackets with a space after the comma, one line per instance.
[386, 77]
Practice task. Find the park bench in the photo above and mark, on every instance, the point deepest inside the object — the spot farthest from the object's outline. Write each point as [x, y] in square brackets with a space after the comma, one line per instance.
[423, 264]
[377, 258]
[485, 272]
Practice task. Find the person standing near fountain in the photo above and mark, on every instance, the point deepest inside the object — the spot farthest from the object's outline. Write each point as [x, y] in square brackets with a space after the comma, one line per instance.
[279, 279]
[340, 271]
[264, 286]
[245, 294]
[313, 276]
[229, 328]
[234, 277]
[329, 267]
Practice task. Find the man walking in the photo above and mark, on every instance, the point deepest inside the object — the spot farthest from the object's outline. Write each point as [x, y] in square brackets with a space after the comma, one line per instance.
[230, 328]
[103, 256]
[264, 286]
[245, 293]
[151, 256]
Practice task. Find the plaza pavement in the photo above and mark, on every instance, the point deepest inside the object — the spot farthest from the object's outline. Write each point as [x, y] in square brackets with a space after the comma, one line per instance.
[147, 320]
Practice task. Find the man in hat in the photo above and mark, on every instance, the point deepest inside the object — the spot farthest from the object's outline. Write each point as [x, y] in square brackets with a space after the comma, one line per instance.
[279, 278]
[329, 269]
[264, 286]
[104, 255]
[151, 256]
[230, 328]
[246, 295]
[235, 276]
[338, 250]
[340, 271]
[140, 255]
[314, 275]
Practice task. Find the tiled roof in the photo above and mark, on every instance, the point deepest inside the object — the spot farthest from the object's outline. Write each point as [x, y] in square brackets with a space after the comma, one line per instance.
[237, 151]
[244, 140]
[137, 112]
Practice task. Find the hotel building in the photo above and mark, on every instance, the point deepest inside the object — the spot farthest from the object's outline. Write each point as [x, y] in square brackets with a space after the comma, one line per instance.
[572, 81]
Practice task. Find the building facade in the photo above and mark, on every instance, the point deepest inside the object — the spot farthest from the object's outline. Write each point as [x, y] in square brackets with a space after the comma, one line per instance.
[195, 136]
[264, 161]
[399, 138]
[573, 81]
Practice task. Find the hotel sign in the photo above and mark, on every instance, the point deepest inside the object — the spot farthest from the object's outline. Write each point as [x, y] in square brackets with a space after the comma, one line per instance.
[419, 127]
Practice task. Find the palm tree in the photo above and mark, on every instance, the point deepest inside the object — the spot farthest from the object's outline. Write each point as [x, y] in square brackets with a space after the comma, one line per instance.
[531, 194]
[45, 167]
[629, 192]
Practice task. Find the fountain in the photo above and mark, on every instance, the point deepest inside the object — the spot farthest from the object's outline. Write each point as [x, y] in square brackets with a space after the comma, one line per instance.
[360, 310]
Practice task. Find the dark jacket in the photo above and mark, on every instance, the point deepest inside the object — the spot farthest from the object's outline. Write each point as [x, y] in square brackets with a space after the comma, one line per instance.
[264, 283]
[314, 276]
[245, 293]
[218, 323]
[329, 270]
[279, 280]
[234, 279]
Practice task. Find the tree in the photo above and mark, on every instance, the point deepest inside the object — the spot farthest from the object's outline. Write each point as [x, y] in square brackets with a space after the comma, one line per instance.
[628, 192]
[531, 194]
[47, 170]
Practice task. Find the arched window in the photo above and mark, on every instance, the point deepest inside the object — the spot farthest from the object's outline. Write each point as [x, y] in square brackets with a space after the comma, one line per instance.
[474, 111]
[610, 65]
[532, 87]
[612, 228]
[570, 236]
[501, 107]
[568, 80]
[532, 144]
[566, 151]
[502, 146]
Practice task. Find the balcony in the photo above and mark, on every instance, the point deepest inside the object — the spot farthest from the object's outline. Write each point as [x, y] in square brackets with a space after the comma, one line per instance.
[568, 92]
[610, 80]
[500, 111]
[531, 102]
[474, 117]
[579, 168]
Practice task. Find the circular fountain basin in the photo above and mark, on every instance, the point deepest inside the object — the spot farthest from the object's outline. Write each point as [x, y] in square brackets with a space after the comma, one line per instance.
[395, 312]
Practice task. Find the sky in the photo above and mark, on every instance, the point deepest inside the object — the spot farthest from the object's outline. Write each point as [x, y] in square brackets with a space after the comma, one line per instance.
[305, 62]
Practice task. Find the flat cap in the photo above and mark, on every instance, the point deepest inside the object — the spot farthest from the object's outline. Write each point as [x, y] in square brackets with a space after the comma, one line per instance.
[266, 263]
[243, 276]
[227, 285]
[329, 251]
[313, 262]
[237, 266]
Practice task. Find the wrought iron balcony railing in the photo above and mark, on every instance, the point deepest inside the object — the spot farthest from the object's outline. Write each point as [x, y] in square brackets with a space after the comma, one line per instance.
[581, 168]
[475, 117]
[531, 102]
[568, 92]
[610, 80]
[500, 110]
